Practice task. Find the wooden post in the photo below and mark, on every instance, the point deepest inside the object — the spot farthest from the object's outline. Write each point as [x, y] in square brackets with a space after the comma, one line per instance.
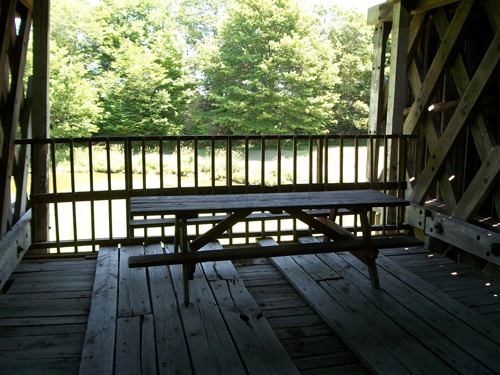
[377, 96]
[397, 80]
[40, 119]
[397, 89]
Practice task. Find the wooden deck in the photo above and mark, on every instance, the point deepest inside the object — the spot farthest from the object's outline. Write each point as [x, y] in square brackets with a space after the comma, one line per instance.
[304, 314]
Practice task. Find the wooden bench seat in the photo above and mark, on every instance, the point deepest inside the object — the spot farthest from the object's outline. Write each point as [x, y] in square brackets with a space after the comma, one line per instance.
[170, 222]
[255, 251]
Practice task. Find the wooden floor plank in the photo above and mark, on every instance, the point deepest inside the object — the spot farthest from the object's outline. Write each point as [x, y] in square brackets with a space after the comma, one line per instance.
[261, 351]
[99, 346]
[218, 270]
[210, 344]
[43, 330]
[128, 344]
[415, 357]
[48, 295]
[446, 315]
[334, 358]
[148, 346]
[46, 346]
[42, 366]
[133, 295]
[171, 347]
[445, 302]
[403, 305]
[43, 286]
[42, 308]
[312, 346]
[359, 339]
[56, 265]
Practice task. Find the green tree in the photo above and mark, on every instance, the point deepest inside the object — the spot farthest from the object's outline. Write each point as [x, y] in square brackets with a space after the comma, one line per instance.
[351, 40]
[74, 100]
[145, 80]
[272, 72]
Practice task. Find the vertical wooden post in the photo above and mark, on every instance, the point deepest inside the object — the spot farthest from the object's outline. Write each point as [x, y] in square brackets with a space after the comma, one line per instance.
[397, 88]
[319, 161]
[397, 78]
[40, 118]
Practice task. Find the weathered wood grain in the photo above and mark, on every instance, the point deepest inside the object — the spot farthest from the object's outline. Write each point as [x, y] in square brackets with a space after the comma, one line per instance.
[403, 305]
[210, 344]
[148, 346]
[128, 348]
[47, 346]
[196, 204]
[171, 347]
[409, 351]
[245, 252]
[99, 346]
[258, 346]
[222, 270]
[13, 246]
[358, 338]
[44, 308]
[133, 295]
[42, 366]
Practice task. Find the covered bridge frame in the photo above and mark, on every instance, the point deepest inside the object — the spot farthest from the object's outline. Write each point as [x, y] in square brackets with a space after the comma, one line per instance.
[442, 84]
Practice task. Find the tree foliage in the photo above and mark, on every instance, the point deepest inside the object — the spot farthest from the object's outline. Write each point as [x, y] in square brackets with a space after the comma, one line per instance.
[272, 73]
[352, 41]
[139, 67]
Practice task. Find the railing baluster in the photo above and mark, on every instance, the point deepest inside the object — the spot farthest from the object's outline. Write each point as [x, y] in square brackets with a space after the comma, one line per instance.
[160, 150]
[144, 171]
[196, 171]
[278, 166]
[262, 163]
[341, 162]
[385, 210]
[310, 162]
[356, 162]
[212, 162]
[229, 165]
[325, 163]
[54, 188]
[73, 190]
[128, 185]
[294, 182]
[179, 165]
[247, 167]
[92, 203]
[110, 205]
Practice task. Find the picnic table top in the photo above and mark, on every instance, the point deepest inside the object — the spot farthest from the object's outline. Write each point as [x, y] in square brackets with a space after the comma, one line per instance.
[195, 204]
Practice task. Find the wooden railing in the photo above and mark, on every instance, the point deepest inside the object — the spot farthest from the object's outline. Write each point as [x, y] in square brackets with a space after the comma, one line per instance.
[92, 179]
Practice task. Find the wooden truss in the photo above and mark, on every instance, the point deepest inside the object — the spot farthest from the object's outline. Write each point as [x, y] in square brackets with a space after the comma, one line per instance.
[449, 51]
[15, 109]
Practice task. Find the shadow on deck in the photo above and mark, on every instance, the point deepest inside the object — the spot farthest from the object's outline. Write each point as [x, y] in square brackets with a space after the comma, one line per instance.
[303, 314]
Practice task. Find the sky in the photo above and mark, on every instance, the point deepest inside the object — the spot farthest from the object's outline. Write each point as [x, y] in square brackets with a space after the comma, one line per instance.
[361, 5]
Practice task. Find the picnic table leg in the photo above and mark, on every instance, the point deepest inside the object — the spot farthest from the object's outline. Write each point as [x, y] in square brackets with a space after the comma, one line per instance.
[185, 267]
[370, 260]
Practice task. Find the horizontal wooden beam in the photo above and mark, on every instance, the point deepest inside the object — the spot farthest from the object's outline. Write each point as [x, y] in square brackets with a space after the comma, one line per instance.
[383, 12]
[250, 252]
[13, 246]
[471, 238]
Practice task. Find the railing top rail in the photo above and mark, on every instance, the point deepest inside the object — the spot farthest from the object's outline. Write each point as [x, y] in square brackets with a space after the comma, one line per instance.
[205, 137]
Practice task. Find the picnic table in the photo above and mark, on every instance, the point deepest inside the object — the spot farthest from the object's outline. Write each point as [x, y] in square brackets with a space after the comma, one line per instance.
[300, 205]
